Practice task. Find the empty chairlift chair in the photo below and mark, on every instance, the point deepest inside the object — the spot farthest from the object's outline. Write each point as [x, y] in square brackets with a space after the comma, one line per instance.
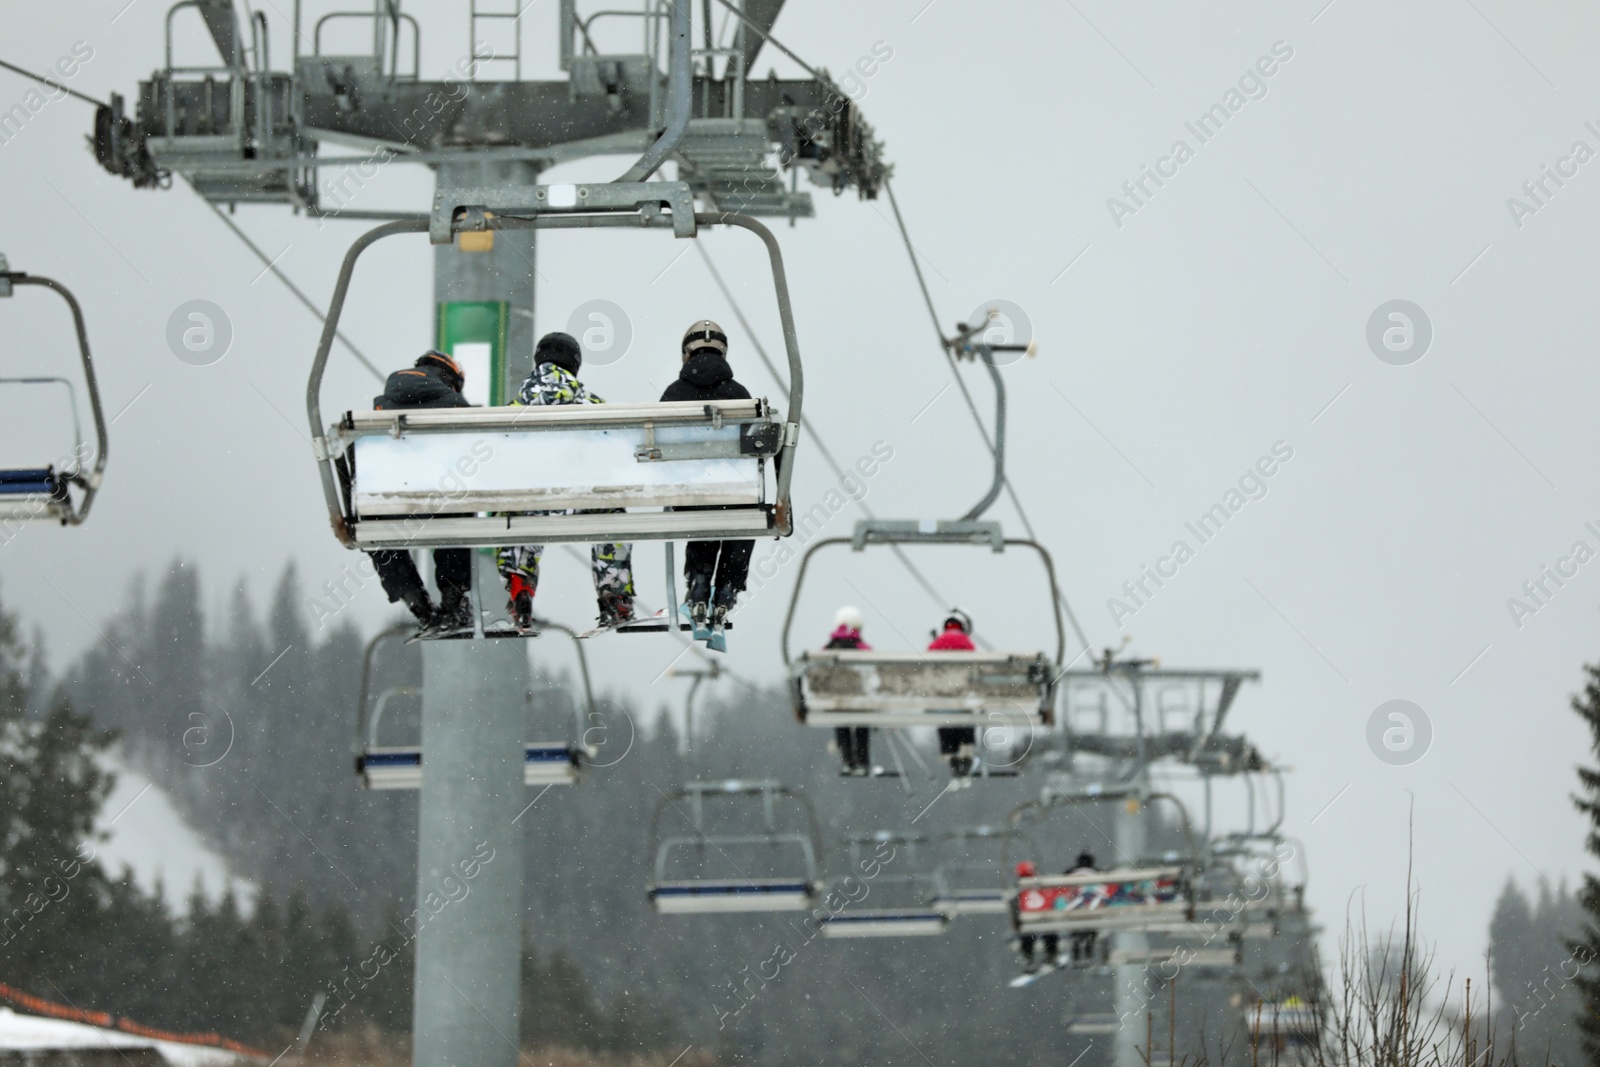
[729, 866]
[380, 766]
[979, 884]
[382, 471]
[902, 892]
[62, 489]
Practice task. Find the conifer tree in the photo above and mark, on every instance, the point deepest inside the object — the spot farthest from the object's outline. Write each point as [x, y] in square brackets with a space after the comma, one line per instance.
[1586, 948]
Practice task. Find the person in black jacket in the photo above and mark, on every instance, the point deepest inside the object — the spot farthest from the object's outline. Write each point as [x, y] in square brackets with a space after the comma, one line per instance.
[435, 381]
[715, 570]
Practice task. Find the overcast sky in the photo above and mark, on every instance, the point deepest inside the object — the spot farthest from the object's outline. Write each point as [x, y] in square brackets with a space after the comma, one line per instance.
[1183, 336]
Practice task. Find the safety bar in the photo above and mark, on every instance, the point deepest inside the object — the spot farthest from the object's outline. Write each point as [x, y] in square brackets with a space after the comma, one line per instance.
[887, 537]
[667, 844]
[1053, 800]
[696, 792]
[74, 516]
[367, 728]
[632, 217]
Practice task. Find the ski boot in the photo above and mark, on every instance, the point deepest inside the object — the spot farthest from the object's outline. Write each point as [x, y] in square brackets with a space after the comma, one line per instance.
[615, 611]
[420, 606]
[722, 605]
[453, 619]
[520, 605]
[695, 609]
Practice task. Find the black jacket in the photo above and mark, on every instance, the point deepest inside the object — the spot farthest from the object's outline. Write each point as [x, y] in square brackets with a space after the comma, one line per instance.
[417, 387]
[706, 376]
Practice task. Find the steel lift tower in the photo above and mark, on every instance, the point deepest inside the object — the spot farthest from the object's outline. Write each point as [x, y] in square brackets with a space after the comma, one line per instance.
[239, 131]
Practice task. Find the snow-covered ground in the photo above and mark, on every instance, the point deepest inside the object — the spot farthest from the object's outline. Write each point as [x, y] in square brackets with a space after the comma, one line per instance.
[38, 1035]
[148, 835]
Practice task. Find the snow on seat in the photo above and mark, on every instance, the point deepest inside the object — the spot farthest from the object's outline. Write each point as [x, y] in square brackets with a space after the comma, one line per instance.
[400, 766]
[1126, 899]
[706, 897]
[850, 687]
[886, 922]
[470, 476]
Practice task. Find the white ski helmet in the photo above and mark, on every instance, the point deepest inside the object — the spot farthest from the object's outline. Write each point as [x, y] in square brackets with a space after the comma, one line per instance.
[705, 334]
[849, 617]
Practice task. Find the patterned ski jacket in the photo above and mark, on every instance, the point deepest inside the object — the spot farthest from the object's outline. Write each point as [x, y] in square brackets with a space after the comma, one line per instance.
[550, 384]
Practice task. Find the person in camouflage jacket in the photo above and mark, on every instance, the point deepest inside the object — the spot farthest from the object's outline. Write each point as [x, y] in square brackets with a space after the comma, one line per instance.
[555, 381]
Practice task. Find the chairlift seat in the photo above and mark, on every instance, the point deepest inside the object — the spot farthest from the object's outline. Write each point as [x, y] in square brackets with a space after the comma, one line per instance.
[853, 687]
[1126, 899]
[886, 922]
[973, 902]
[33, 493]
[469, 476]
[1202, 957]
[400, 766]
[749, 895]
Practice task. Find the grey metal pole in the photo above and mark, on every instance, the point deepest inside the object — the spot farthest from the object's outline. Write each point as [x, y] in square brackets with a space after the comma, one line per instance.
[1128, 834]
[474, 721]
[469, 944]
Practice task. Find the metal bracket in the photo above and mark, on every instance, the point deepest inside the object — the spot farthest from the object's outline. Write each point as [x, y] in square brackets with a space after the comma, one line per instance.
[5, 276]
[467, 210]
[319, 449]
[926, 531]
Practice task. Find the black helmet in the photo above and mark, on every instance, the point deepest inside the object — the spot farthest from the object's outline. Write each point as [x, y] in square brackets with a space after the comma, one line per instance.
[562, 349]
[1086, 859]
[449, 369]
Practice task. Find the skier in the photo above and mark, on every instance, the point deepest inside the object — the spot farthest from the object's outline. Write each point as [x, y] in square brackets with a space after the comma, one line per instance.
[854, 743]
[1026, 869]
[714, 570]
[956, 743]
[1083, 941]
[554, 380]
[434, 381]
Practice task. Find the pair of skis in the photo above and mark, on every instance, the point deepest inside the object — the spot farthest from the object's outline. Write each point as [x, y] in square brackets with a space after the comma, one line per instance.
[709, 631]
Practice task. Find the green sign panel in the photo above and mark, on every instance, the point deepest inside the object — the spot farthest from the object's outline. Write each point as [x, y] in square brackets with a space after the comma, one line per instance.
[473, 332]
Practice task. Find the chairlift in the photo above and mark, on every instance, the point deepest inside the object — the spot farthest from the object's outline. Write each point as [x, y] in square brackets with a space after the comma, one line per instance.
[1144, 894]
[856, 688]
[794, 852]
[912, 911]
[380, 766]
[968, 887]
[1014, 691]
[46, 494]
[384, 473]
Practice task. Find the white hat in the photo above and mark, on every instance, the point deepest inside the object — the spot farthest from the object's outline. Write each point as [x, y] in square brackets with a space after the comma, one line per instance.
[848, 617]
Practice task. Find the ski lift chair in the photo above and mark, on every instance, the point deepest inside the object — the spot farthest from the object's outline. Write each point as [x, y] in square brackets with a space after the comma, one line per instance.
[46, 494]
[861, 688]
[383, 472]
[910, 910]
[1137, 895]
[792, 851]
[967, 887]
[381, 766]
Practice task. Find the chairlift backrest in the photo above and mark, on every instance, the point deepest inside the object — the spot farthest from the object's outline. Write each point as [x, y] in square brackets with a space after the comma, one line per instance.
[46, 493]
